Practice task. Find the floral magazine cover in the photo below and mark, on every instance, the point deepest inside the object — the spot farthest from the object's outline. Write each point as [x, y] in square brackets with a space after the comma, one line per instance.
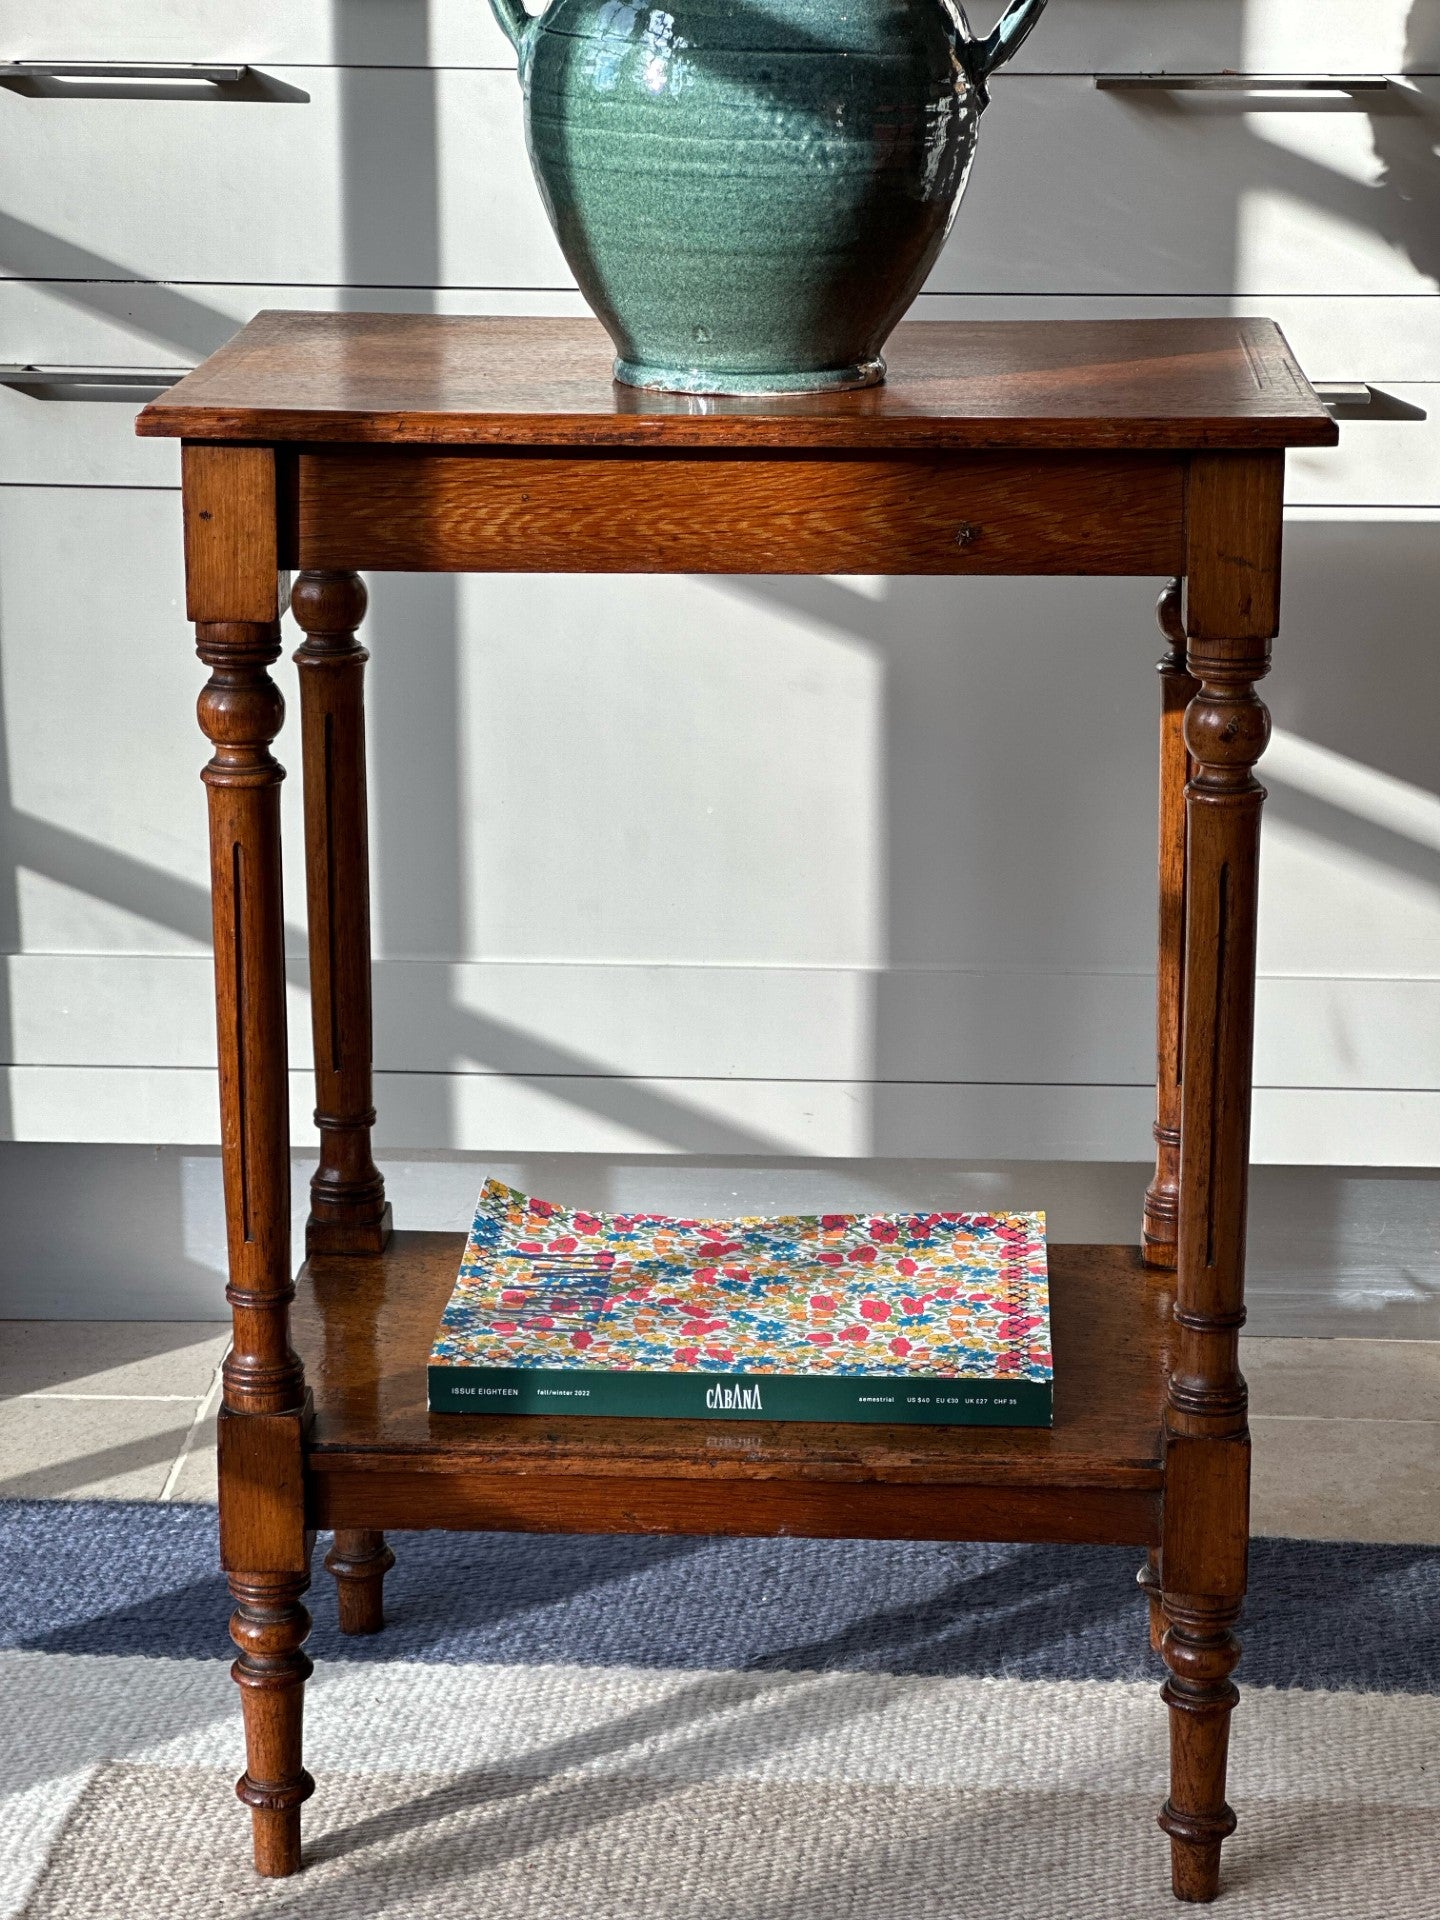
[921, 1317]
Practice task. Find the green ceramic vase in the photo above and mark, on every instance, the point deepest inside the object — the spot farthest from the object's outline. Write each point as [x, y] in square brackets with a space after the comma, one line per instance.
[750, 195]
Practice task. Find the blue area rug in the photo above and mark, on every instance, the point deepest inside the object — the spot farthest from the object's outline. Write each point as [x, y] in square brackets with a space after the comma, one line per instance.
[675, 1729]
[114, 1577]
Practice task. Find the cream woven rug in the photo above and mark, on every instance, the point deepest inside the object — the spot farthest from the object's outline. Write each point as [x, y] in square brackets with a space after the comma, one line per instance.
[807, 1776]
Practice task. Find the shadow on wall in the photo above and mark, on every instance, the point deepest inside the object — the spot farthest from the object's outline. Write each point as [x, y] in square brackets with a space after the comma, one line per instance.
[1131, 219]
[1406, 146]
[1333, 1250]
[992, 711]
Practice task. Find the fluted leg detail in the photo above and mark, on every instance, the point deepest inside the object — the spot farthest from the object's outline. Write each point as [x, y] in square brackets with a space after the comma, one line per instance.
[1160, 1232]
[1234, 518]
[348, 1209]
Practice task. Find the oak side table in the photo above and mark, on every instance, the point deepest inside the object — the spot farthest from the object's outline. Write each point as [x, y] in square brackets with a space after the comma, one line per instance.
[333, 442]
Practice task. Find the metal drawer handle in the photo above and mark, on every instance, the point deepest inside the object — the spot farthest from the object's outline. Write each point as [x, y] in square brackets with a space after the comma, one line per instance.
[1358, 400]
[17, 375]
[217, 76]
[1241, 82]
[1335, 395]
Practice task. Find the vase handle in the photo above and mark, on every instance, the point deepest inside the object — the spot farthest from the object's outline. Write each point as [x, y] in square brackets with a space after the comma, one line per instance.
[517, 25]
[1004, 40]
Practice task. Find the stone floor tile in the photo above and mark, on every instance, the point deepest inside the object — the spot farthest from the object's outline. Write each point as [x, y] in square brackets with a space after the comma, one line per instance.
[195, 1476]
[1347, 1479]
[1343, 1379]
[93, 1449]
[110, 1356]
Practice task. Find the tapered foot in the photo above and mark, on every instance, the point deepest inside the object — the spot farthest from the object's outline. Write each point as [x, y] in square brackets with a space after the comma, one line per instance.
[1194, 1869]
[360, 1561]
[277, 1840]
[1201, 1653]
[270, 1628]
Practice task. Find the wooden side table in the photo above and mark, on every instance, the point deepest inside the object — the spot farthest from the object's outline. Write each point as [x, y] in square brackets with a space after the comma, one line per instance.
[331, 443]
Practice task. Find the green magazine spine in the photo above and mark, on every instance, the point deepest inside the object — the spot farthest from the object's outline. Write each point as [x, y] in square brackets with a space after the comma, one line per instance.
[754, 1396]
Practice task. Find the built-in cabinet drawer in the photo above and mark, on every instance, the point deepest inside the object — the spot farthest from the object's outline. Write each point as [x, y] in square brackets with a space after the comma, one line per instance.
[54, 434]
[832, 756]
[401, 177]
[1076, 36]
[1155, 192]
[66, 428]
[1336, 337]
[826, 758]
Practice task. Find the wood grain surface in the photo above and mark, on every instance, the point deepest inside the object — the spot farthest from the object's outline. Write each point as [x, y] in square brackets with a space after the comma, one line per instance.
[364, 1328]
[445, 379]
[486, 1499]
[1232, 610]
[231, 566]
[627, 512]
[1026, 448]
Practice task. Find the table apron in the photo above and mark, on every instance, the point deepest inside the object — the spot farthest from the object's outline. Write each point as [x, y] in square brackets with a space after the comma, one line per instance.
[461, 511]
[394, 1496]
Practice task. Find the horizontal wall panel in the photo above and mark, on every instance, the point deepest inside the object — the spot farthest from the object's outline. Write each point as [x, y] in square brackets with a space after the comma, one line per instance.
[1336, 336]
[558, 1114]
[1296, 1126]
[769, 773]
[1098, 192]
[502, 1115]
[411, 33]
[759, 776]
[1388, 456]
[1075, 36]
[52, 433]
[386, 174]
[420, 179]
[758, 1023]
[1331, 1250]
[57, 436]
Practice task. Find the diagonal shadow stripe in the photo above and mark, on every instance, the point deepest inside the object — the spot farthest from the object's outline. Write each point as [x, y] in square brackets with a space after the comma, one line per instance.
[1368, 839]
[140, 888]
[91, 281]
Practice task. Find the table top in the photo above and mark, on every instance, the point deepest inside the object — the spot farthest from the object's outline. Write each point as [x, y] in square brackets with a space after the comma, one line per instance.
[445, 380]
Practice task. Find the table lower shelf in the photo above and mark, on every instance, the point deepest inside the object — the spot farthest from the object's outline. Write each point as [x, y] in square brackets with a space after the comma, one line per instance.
[377, 1458]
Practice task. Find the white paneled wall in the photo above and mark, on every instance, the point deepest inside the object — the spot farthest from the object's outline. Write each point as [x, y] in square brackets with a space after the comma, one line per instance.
[722, 867]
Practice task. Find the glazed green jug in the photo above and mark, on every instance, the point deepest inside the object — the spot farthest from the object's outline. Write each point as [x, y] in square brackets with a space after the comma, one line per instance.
[751, 192]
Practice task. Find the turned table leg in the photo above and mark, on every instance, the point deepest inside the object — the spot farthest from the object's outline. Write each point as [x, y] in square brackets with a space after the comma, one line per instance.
[348, 1210]
[1162, 1200]
[270, 1628]
[1232, 608]
[264, 1548]
[360, 1561]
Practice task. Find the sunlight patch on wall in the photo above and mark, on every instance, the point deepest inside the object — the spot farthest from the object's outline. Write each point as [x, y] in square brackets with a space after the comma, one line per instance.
[1351, 867]
[1401, 808]
[1346, 38]
[1280, 237]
